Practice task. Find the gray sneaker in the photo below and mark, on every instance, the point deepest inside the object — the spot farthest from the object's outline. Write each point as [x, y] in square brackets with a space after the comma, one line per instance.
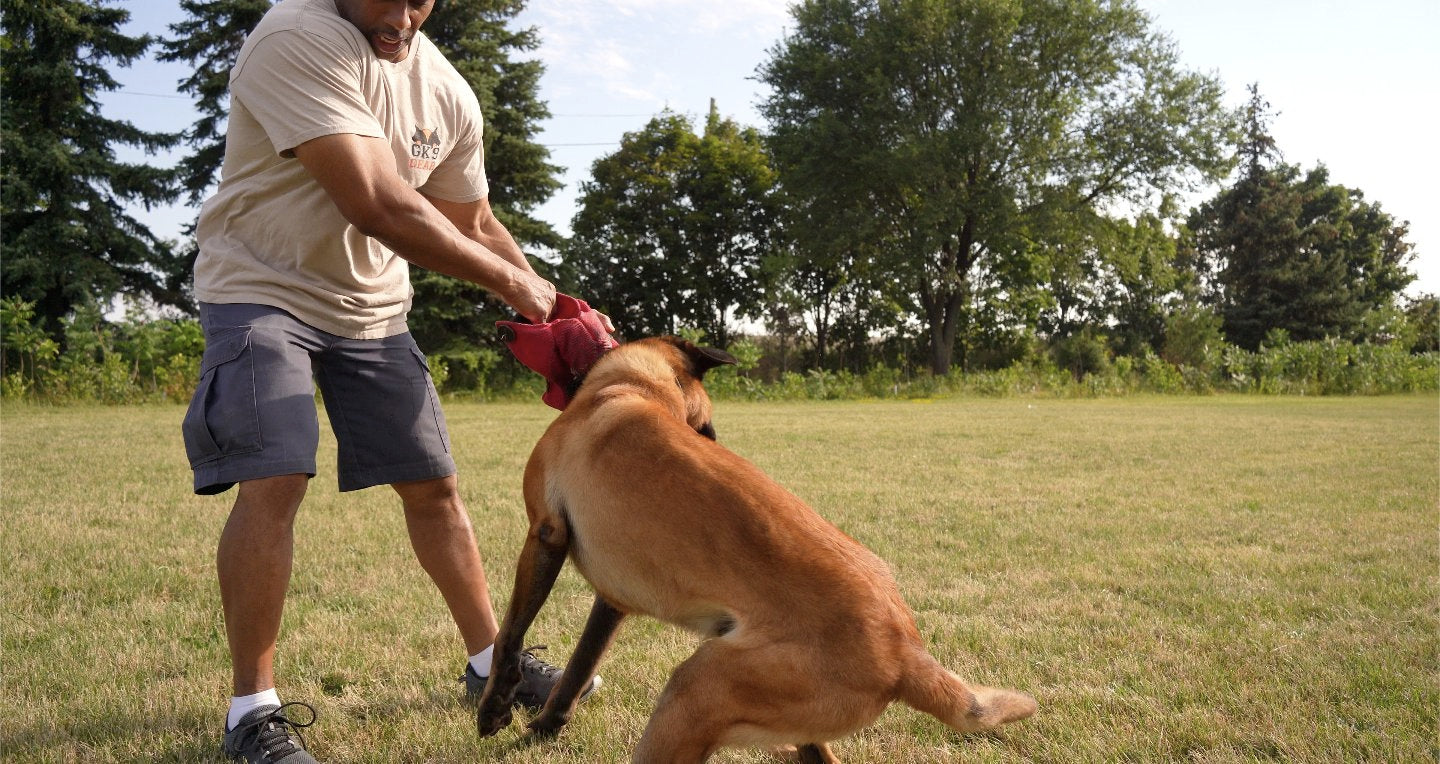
[537, 679]
[266, 735]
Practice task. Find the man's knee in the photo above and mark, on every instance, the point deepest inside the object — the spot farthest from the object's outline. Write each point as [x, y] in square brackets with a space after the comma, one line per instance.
[276, 498]
[439, 495]
[438, 491]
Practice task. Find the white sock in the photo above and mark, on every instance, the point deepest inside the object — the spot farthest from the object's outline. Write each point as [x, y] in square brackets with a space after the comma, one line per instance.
[481, 661]
[239, 706]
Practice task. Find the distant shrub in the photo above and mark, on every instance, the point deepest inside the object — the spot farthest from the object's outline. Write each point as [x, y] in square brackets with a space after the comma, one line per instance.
[137, 359]
[1082, 354]
[141, 358]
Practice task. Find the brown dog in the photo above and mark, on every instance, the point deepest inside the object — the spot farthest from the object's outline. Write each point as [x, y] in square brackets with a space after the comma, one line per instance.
[806, 638]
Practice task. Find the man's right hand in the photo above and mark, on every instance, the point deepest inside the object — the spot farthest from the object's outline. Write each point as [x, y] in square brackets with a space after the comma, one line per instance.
[531, 296]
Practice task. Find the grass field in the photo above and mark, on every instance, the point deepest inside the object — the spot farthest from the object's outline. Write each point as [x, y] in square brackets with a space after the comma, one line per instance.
[1219, 579]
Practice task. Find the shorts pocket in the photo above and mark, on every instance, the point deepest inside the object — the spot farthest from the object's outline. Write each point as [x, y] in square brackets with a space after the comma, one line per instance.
[223, 418]
[434, 399]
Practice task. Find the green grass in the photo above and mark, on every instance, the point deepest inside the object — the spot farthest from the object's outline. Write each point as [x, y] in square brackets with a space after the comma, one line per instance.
[1223, 579]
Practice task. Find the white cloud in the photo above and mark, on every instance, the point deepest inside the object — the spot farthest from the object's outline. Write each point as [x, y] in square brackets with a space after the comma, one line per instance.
[646, 54]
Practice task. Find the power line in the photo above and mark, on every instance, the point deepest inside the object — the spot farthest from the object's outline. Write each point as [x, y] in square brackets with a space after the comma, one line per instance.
[552, 116]
[153, 95]
[545, 145]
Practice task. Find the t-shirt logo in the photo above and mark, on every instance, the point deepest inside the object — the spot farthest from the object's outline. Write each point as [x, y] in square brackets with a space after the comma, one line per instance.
[424, 148]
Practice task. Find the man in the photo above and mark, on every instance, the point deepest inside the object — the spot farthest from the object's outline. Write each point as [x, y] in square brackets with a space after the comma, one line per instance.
[351, 144]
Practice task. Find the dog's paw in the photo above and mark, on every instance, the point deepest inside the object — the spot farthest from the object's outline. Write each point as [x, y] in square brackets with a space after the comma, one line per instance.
[491, 720]
[547, 724]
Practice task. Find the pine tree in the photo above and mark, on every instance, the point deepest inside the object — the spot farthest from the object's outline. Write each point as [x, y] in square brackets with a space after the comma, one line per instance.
[477, 38]
[1294, 252]
[67, 237]
[209, 39]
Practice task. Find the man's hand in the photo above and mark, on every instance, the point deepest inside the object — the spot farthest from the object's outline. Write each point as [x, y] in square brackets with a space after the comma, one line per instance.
[531, 297]
[605, 322]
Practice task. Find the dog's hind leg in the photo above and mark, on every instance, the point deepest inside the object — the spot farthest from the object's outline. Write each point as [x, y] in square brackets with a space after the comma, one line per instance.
[730, 694]
[809, 753]
[691, 714]
[599, 633]
[540, 561]
[931, 688]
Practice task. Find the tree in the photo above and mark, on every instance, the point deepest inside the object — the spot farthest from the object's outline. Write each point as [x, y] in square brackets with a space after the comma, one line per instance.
[210, 40]
[1423, 313]
[1121, 275]
[1294, 252]
[954, 128]
[673, 228]
[476, 37]
[67, 237]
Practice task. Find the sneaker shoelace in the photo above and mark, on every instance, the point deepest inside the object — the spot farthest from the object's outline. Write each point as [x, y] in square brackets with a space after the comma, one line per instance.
[274, 732]
[532, 662]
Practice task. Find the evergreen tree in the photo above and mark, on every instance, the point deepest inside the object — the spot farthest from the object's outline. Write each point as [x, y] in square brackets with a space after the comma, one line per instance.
[67, 237]
[1295, 253]
[209, 39]
[477, 38]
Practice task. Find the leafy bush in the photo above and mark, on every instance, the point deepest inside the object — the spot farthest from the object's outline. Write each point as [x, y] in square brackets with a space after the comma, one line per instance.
[142, 358]
[1329, 367]
[1082, 354]
[1192, 337]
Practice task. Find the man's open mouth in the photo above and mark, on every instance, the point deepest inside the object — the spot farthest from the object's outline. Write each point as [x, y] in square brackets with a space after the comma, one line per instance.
[389, 44]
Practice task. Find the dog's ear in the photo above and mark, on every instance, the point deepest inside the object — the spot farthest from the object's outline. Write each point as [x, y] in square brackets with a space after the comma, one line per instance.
[704, 359]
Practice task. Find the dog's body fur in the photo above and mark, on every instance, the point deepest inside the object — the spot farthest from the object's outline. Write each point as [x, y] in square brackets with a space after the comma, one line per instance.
[807, 637]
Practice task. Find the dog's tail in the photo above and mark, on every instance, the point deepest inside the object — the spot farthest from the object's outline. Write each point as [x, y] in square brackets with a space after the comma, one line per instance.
[933, 689]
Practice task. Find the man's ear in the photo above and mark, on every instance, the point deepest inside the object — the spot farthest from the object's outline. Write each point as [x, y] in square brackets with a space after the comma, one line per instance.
[704, 359]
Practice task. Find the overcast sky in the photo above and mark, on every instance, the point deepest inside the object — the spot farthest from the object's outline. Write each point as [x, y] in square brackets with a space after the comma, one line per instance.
[1354, 84]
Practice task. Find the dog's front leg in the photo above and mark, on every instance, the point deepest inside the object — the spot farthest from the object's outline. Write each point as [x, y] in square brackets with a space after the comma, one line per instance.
[540, 563]
[599, 633]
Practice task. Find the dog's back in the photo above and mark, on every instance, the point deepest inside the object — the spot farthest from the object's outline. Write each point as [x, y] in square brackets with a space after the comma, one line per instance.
[675, 526]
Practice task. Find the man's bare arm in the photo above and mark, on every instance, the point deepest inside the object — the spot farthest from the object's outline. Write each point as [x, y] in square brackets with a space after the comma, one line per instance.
[359, 175]
[477, 220]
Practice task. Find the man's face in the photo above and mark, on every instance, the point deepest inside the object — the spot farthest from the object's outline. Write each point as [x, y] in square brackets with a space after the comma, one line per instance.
[389, 25]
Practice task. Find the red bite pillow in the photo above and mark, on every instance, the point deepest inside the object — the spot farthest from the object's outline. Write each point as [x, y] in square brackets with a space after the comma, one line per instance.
[562, 349]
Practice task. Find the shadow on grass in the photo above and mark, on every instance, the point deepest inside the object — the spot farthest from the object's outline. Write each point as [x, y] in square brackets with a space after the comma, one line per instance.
[117, 737]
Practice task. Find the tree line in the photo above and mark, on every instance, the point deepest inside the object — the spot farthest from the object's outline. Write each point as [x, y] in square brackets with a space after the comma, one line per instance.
[940, 187]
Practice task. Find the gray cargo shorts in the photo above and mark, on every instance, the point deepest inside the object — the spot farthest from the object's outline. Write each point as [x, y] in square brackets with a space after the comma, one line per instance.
[253, 413]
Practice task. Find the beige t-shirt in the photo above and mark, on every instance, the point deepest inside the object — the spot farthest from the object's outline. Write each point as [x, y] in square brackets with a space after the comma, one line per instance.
[270, 234]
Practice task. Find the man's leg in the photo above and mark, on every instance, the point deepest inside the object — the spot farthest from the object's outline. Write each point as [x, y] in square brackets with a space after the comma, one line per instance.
[445, 544]
[254, 565]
